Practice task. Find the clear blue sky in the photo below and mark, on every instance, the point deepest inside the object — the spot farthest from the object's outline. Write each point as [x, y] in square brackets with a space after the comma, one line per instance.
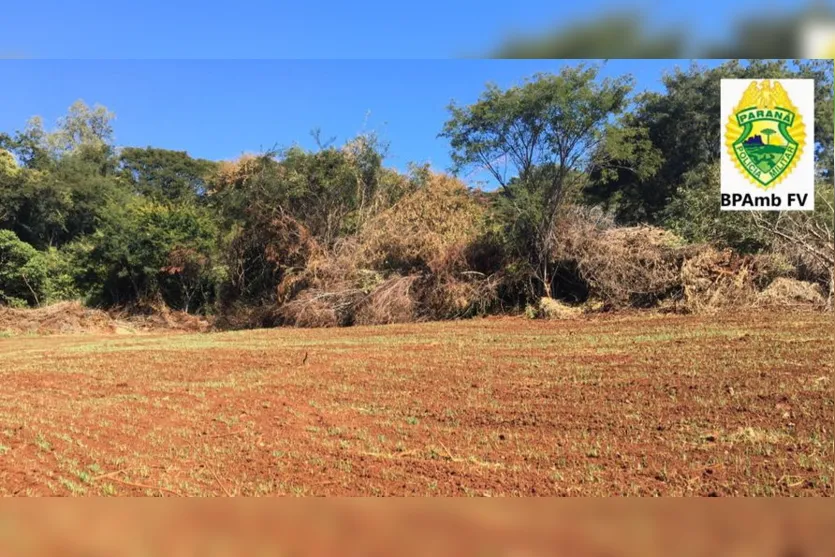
[327, 28]
[219, 109]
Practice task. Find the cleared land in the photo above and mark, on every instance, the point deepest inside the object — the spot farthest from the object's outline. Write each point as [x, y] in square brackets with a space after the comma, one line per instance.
[626, 404]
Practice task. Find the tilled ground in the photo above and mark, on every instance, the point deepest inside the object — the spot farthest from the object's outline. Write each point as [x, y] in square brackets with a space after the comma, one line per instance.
[614, 405]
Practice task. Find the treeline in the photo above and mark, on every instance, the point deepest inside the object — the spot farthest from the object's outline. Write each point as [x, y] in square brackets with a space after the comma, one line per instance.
[333, 237]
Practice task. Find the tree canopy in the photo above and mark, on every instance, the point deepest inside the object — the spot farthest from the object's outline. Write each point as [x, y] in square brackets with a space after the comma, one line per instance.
[333, 236]
[539, 141]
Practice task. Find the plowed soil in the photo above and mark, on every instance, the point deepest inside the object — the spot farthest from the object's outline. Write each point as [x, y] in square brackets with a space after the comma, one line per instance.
[610, 405]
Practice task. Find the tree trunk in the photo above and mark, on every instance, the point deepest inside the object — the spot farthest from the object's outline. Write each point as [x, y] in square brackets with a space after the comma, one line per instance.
[546, 280]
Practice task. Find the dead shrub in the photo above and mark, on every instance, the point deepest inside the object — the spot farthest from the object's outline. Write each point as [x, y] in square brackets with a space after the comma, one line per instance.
[392, 301]
[646, 266]
[238, 315]
[153, 313]
[264, 257]
[327, 290]
[60, 318]
[768, 267]
[791, 293]
[807, 239]
[324, 293]
[73, 318]
[453, 288]
[325, 270]
[413, 261]
[419, 231]
[550, 308]
[314, 308]
[715, 280]
[635, 266]
[434, 235]
[632, 266]
[235, 172]
[457, 295]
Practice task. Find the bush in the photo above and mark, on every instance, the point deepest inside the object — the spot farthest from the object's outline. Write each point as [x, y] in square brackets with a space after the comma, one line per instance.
[792, 293]
[715, 280]
[148, 251]
[419, 231]
[807, 239]
[722, 279]
[694, 214]
[393, 301]
[62, 272]
[423, 258]
[23, 272]
[651, 267]
[632, 266]
[436, 241]
[265, 257]
[323, 290]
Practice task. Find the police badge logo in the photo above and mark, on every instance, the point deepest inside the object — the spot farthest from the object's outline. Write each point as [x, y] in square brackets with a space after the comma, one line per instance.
[765, 134]
[768, 128]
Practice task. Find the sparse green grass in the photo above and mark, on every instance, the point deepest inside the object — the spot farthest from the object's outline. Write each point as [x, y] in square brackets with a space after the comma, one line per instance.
[72, 487]
[636, 405]
[42, 443]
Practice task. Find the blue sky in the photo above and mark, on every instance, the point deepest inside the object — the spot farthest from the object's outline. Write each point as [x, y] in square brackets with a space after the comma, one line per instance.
[328, 29]
[220, 109]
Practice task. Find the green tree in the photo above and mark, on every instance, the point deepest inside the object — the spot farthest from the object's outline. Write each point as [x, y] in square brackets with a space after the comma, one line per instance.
[66, 180]
[9, 180]
[539, 141]
[330, 191]
[23, 274]
[62, 270]
[146, 251]
[35, 205]
[83, 131]
[165, 175]
[53, 207]
[683, 123]
[694, 214]
[83, 127]
[768, 132]
[8, 164]
[29, 145]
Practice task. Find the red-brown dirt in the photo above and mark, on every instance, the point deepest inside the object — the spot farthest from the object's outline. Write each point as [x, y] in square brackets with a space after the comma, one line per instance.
[611, 405]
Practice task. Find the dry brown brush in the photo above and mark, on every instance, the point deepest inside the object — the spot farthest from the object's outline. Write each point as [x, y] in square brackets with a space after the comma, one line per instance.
[435, 236]
[622, 267]
[645, 266]
[265, 261]
[430, 255]
[715, 280]
[807, 240]
[415, 260]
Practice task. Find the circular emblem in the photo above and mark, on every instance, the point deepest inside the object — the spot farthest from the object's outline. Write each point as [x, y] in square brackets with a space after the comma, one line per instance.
[765, 135]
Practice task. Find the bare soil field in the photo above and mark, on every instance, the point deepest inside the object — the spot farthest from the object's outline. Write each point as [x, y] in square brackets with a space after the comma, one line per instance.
[641, 404]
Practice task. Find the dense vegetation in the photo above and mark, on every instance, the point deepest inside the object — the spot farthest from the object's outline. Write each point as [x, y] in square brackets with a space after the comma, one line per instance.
[333, 237]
